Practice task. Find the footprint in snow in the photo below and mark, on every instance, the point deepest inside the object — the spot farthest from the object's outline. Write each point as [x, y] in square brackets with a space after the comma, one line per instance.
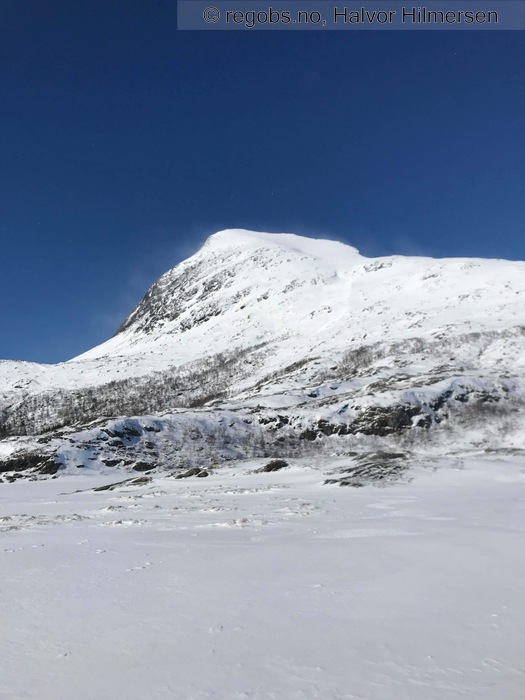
[138, 568]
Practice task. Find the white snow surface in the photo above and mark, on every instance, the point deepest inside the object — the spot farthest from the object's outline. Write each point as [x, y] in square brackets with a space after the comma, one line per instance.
[266, 585]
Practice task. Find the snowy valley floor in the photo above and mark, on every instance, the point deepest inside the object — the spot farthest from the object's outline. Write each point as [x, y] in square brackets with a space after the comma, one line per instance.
[270, 585]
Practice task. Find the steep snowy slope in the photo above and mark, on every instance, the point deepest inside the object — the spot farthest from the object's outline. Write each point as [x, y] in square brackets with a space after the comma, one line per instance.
[303, 296]
[274, 324]
[311, 297]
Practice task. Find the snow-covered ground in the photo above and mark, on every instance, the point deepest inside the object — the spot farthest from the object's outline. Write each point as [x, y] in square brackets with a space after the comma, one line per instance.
[266, 585]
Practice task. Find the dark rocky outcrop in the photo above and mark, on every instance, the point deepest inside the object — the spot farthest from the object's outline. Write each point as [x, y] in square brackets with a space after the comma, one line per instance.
[34, 462]
[374, 420]
[195, 471]
[137, 481]
[273, 466]
[143, 466]
[377, 468]
[387, 420]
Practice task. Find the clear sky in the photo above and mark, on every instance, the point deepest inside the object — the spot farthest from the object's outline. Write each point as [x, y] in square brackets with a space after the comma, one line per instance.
[125, 143]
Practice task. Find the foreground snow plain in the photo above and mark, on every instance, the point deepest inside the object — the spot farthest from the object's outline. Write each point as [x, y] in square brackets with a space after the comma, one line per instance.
[274, 585]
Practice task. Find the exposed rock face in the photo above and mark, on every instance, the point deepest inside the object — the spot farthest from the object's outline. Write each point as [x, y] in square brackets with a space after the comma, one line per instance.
[274, 466]
[38, 463]
[196, 471]
[375, 420]
[374, 467]
[171, 296]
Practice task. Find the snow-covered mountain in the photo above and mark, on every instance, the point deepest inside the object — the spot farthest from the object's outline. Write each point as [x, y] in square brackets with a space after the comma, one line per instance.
[276, 344]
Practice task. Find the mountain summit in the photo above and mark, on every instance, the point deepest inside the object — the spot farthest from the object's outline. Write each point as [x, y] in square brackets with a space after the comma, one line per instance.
[238, 280]
[245, 287]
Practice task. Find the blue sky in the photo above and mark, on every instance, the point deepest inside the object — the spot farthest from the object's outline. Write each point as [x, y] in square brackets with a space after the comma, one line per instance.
[124, 143]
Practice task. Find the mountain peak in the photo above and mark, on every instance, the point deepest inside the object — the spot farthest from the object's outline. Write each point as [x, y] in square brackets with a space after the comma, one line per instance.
[233, 267]
[319, 248]
[307, 296]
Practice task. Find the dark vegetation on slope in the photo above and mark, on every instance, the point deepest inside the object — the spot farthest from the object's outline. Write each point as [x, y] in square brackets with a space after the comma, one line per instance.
[208, 382]
[201, 383]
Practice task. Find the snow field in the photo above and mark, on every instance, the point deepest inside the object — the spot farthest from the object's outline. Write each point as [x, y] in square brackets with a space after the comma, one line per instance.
[266, 585]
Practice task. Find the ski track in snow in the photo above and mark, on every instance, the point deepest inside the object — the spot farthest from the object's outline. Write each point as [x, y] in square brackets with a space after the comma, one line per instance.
[269, 585]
